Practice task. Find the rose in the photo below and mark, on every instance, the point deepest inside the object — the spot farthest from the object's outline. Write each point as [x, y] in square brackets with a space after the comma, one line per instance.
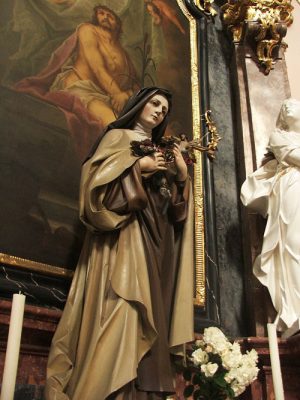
[209, 349]
[231, 360]
[200, 343]
[251, 357]
[199, 357]
[216, 339]
[246, 373]
[238, 389]
[221, 362]
[209, 369]
[212, 335]
[242, 375]
[232, 357]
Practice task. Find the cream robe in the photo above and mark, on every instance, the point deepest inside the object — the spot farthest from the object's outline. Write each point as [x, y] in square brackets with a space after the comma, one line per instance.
[107, 325]
[274, 191]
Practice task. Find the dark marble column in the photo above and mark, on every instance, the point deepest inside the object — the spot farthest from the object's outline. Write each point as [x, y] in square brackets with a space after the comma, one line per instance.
[230, 261]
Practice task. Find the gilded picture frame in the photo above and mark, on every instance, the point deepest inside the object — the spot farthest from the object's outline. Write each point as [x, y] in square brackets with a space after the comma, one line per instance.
[40, 167]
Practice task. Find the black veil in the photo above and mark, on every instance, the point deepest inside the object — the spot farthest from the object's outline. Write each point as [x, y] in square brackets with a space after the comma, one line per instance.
[130, 111]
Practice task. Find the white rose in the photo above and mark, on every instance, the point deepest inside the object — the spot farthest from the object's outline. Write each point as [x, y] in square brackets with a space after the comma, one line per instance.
[199, 343]
[221, 346]
[251, 357]
[199, 357]
[236, 348]
[229, 377]
[232, 376]
[232, 357]
[238, 389]
[209, 369]
[248, 367]
[231, 360]
[213, 334]
[243, 375]
[209, 349]
[216, 339]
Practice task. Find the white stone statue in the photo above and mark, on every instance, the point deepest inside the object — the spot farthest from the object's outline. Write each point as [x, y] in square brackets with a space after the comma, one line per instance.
[274, 191]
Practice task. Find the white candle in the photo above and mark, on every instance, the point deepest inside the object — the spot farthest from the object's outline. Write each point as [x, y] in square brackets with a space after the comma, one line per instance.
[275, 362]
[13, 347]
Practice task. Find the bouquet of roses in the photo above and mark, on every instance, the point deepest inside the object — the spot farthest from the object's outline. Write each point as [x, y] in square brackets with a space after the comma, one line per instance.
[165, 146]
[220, 371]
[141, 148]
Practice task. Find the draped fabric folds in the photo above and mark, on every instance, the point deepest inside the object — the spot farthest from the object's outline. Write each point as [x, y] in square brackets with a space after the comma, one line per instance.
[274, 191]
[131, 299]
[83, 127]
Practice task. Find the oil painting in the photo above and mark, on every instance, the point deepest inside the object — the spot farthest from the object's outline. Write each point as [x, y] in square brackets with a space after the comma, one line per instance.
[67, 69]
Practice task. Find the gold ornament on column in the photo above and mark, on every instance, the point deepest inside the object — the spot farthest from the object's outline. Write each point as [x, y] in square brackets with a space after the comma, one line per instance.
[206, 7]
[265, 21]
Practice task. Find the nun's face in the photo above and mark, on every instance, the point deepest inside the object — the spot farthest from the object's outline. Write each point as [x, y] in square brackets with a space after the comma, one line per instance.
[153, 112]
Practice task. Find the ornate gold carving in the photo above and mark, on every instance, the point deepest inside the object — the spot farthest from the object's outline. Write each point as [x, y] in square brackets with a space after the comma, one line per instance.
[206, 7]
[214, 138]
[264, 20]
[23, 263]
[212, 145]
[234, 15]
[200, 270]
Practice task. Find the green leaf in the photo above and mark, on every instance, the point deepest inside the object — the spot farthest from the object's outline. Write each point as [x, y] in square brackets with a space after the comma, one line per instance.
[222, 373]
[188, 391]
[219, 380]
[230, 392]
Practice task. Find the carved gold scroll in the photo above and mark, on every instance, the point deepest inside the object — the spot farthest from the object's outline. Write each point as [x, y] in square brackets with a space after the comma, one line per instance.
[263, 22]
[206, 6]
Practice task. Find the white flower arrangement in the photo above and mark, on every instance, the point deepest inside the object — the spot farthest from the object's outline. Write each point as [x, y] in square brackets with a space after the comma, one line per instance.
[220, 371]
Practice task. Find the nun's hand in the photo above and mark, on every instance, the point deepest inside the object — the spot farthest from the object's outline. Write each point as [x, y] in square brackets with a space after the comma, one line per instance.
[182, 171]
[153, 163]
